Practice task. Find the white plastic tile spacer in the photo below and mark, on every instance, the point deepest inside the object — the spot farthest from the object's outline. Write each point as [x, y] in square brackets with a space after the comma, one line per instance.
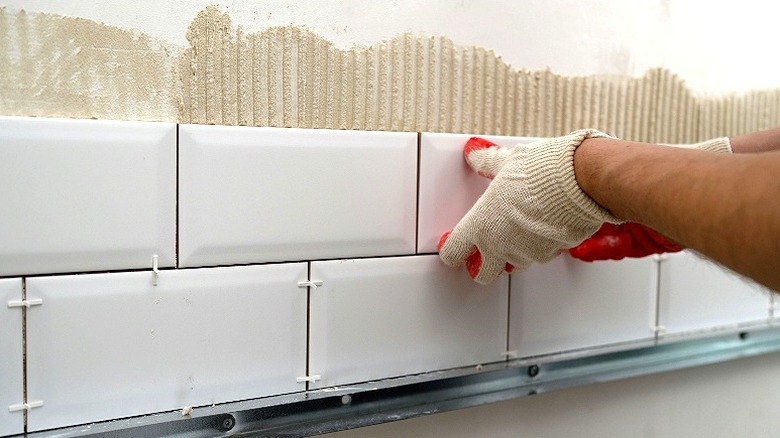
[312, 284]
[25, 406]
[25, 303]
[511, 354]
[155, 269]
[307, 378]
[660, 257]
[659, 329]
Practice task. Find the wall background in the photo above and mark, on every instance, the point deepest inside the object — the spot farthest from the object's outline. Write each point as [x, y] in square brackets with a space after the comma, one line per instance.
[649, 71]
[715, 49]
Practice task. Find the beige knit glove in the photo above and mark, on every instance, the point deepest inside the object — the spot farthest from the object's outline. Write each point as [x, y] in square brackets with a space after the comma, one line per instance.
[721, 145]
[531, 210]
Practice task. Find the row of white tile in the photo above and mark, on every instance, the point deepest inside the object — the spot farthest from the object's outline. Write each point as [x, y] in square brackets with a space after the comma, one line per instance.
[105, 346]
[84, 195]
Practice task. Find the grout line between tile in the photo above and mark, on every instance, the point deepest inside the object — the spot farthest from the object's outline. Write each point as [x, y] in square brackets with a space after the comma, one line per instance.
[26, 412]
[508, 312]
[658, 264]
[417, 205]
[308, 326]
[173, 268]
[176, 237]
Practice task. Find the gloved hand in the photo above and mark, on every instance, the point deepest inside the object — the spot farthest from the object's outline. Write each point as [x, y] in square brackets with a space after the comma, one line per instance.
[615, 242]
[531, 210]
[618, 241]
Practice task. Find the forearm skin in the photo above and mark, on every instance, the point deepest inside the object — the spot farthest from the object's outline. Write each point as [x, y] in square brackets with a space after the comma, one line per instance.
[756, 142]
[726, 207]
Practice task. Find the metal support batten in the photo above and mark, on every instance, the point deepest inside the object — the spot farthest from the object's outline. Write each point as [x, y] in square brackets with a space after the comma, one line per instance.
[330, 410]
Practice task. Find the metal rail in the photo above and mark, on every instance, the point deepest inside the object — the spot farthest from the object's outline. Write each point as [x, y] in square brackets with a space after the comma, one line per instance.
[334, 409]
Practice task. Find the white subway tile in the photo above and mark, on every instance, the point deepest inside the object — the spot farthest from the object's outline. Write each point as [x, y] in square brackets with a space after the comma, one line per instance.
[775, 299]
[85, 195]
[697, 295]
[105, 346]
[448, 186]
[251, 195]
[568, 305]
[11, 389]
[386, 317]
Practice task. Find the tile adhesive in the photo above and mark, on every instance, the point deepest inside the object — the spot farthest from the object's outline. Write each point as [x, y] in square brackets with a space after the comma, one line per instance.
[288, 76]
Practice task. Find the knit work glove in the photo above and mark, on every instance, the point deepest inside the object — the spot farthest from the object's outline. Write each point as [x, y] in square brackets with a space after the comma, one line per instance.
[531, 210]
[615, 242]
[721, 145]
[618, 241]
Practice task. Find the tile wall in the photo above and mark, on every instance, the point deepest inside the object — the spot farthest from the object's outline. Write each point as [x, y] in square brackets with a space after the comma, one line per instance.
[160, 266]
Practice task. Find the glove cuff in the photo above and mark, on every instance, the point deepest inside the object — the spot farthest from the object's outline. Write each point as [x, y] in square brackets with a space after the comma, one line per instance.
[549, 165]
[720, 145]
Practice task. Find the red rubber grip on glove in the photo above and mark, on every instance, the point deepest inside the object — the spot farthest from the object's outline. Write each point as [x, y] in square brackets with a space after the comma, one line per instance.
[618, 241]
[474, 260]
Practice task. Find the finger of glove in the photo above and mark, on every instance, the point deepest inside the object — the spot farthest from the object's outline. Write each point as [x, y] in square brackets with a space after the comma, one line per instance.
[474, 260]
[473, 263]
[615, 242]
[485, 157]
[642, 241]
[608, 243]
[453, 250]
[489, 269]
[648, 241]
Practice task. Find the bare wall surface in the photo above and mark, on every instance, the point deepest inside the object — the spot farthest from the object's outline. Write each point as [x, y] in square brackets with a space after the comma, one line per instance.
[289, 76]
[716, 47]
[57, 66]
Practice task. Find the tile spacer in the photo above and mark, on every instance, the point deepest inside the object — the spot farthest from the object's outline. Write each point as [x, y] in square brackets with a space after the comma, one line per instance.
[25, 406]
[312, 284]
[511, 354]
[155, 269]
[25, 303]
[660, 257]
[307, 378]
[659, 329]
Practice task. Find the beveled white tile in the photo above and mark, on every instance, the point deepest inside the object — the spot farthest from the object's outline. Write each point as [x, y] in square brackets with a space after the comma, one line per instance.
[86, 195]
[568, 305]
[378, 318]
[11, 378]
[448, 186]
[775, 308]
[251, 195]
[106, 346]
[697, 295]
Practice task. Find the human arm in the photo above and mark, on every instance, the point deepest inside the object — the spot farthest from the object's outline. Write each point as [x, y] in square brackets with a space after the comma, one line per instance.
[756, 142]
[722, 206]
[536, 207]
[615, 242]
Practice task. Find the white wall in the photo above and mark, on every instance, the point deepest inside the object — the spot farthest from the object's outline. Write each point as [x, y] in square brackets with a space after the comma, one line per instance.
[716, 47]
